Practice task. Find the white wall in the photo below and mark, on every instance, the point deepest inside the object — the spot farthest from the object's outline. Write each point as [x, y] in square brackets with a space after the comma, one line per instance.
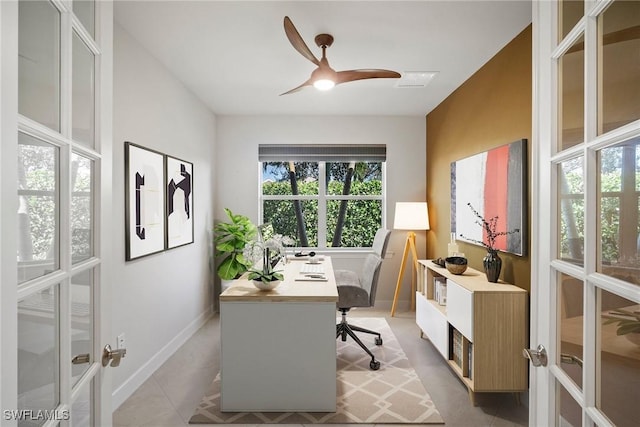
[158, 300]
[236, 170]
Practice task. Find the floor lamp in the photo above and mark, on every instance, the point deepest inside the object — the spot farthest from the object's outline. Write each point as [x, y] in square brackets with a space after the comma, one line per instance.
[410, 216]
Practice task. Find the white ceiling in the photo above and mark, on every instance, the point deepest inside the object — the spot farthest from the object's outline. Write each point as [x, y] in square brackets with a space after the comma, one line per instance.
[235, 57]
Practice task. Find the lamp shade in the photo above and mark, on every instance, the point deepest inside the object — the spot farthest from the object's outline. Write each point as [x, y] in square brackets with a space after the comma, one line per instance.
[411, 216]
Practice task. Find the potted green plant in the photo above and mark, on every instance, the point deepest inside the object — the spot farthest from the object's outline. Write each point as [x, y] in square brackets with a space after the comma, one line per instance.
[230, 239]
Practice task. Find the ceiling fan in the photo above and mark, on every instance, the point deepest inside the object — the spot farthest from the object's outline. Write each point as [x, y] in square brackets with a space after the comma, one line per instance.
[324, 77]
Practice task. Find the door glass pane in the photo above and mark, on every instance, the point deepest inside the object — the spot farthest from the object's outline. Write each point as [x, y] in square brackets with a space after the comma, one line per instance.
[39, 62]
[83, 92]
[85, 11]
[571, 72]
[82, 409]
[569, 13]
[362, 218]
[571, 210]
[619, 231]
[568, 411]
[620, 65]
[38, 367]
[81, 208]
[38, 225]
[570, 326]
[618, 346]
[81, 291]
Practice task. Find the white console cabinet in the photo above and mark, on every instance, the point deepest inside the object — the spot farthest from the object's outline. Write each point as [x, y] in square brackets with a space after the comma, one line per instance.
[481, 330]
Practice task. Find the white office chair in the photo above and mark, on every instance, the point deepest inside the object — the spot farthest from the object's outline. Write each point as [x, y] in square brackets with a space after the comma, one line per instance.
[359, 290]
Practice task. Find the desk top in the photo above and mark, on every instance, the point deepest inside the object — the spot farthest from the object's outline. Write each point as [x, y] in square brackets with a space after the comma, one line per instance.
[289, 290]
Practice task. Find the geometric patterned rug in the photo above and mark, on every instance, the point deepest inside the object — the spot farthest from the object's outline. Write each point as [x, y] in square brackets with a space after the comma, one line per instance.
[393, 394]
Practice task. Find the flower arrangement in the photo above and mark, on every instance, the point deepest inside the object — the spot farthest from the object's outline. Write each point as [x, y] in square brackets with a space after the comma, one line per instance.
[265, 256]
[628, 321]
[490, 228]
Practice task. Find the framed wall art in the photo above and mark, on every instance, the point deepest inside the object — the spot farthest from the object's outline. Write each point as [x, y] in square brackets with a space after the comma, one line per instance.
[144, 201]
[494, 183]
[179, 213]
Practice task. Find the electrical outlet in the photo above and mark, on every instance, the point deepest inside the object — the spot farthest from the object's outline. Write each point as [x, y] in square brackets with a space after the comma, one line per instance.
[121, 341]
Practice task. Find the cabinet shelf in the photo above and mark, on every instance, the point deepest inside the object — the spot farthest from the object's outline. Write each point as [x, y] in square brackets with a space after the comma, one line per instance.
[488, 322]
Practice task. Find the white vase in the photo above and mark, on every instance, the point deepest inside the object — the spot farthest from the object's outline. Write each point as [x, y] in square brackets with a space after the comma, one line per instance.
[266, 286]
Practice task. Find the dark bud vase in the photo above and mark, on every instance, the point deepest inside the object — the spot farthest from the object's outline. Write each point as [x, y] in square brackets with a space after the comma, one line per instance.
[492, 265]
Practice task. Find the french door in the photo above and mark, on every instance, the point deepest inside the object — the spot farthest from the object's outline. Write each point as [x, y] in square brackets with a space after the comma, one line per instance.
[56, 177]
[586, 207]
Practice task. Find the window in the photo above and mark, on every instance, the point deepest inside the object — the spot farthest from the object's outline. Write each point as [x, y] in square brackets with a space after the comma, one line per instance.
[323, 196]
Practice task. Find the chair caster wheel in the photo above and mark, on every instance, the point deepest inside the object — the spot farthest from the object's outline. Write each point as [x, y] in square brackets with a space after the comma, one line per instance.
[378, 341]
[374, 365]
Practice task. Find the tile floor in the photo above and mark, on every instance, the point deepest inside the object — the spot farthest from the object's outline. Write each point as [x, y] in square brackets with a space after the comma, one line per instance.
[169, 397]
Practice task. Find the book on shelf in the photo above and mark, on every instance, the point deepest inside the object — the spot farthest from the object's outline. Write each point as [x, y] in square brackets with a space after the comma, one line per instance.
[470, 360]
[457, 347]
[440, 290]
[442, 294]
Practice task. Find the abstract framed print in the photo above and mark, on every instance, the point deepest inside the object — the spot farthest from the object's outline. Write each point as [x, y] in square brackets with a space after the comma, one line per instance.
[494, 183]
[144, 201]
[179, 193]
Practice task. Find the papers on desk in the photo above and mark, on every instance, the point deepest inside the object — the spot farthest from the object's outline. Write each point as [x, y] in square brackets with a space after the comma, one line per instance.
[311, 278]
[312, 272]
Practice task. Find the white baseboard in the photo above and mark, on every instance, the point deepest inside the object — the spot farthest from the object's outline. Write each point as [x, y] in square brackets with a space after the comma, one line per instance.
[131, 384]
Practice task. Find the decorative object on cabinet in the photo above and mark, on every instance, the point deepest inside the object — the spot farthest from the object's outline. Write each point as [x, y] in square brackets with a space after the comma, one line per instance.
[179, 187]
[144, 201]
[438, 261]
[492, 263]
[494, 182]
[452, 246]
[480, 332]
[410, 216]
[456, 264]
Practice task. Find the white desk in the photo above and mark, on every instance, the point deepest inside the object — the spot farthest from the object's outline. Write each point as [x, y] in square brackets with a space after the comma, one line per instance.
[278, 348]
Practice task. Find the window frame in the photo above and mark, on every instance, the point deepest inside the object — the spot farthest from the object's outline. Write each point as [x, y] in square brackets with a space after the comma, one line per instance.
[322, 198]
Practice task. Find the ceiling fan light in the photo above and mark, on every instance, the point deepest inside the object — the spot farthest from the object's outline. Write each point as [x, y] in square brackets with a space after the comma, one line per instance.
[324, 84]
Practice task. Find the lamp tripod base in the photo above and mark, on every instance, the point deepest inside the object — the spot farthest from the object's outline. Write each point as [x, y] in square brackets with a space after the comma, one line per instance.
[409, 246]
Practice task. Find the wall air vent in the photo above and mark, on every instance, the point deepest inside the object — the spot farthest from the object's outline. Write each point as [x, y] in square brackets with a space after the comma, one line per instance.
[415, 79]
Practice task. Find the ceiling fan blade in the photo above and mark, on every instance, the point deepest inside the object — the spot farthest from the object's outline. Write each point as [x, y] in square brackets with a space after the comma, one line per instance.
[297, 42]
[352, 75]
[296, 89]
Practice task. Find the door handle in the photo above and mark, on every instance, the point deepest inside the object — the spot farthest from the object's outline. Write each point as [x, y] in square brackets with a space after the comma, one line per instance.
[570, 359]
[538, 356]
[81, 358]
[115, 356]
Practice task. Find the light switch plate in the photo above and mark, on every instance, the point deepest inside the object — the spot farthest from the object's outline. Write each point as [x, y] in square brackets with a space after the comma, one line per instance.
[121, 341]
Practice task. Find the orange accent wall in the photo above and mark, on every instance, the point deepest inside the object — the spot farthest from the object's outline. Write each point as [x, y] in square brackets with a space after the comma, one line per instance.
[493, 107]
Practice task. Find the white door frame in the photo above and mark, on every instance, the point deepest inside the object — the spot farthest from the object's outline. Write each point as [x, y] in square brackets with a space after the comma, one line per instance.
[541, 401]
[544, 259]
[9, 122]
